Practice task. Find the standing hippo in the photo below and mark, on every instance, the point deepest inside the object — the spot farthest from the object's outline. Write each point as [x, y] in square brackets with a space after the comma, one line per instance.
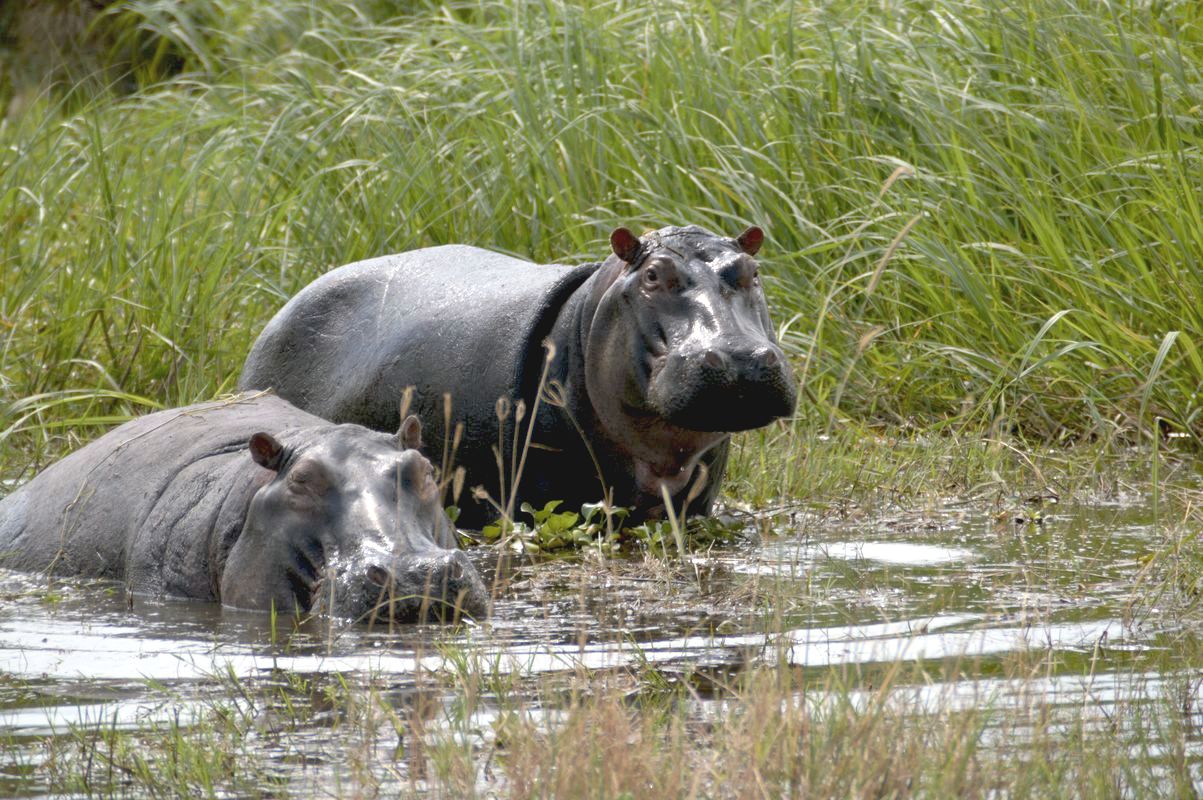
[200, 502]
[660, 353]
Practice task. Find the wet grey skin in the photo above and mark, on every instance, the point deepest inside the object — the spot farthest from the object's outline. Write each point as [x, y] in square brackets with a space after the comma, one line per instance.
[662, 351]
[203, 502]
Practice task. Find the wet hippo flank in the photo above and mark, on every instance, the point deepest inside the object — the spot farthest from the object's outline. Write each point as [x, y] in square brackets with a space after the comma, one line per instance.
[200, 502]
[662, 351]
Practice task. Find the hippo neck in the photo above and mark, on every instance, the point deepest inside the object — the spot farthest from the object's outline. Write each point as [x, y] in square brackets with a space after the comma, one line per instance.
[253, 566]
[570, 335]
[231, 520]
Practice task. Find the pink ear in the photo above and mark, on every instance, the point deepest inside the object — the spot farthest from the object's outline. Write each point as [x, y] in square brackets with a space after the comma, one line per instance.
[266, 451]
[625, 245]
[750, 240]
[409, 435]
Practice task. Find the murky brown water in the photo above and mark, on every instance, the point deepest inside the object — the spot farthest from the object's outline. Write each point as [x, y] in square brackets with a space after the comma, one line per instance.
[949, 586]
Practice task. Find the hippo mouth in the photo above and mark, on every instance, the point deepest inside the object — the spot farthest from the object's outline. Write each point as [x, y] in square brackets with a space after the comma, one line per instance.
[401, 607]
[421, 609]
[302, 573]
[729, 411]
[701, 400]
[651, 478]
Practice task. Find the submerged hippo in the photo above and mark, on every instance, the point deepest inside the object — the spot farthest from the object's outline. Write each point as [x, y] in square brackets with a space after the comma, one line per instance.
[201, 502]
[661, 351]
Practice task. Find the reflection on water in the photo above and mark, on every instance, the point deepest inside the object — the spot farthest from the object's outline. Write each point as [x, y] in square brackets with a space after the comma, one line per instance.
[946, 587]
[901, 553]
[793, 559]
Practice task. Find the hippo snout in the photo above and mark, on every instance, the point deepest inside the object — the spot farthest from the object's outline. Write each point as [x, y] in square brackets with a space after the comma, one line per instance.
[439, 586]
[431, 586]
[725, 387]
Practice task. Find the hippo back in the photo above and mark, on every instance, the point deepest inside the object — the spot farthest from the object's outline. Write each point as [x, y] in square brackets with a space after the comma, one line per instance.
[164, 472]
[453, 319]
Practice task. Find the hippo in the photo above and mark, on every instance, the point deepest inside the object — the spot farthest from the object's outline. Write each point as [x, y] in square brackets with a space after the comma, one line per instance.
[203, 502]
[649, 361]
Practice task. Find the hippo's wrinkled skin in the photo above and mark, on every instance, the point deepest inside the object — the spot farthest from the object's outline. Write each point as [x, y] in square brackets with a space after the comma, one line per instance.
[200, 502]
[662, 351]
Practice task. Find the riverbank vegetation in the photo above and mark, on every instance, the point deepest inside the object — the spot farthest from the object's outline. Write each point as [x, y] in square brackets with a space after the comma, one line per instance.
[643, 734]
[982, 216]
[984, 259]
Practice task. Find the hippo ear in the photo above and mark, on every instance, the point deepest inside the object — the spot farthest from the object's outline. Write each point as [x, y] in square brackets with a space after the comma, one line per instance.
[267, 452]
[409, 435]
[626, 245]
[750, 240]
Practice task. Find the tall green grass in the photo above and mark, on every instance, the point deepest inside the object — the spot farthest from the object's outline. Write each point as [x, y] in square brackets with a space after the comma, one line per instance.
[982, 215]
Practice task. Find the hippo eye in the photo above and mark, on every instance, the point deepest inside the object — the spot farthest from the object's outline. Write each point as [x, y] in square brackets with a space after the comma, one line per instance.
[309, 478]
[659, 275]
[414, 473]
[743, 274]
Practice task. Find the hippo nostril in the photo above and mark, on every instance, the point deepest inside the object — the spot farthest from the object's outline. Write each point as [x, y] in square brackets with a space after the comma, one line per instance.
[768, 358]
[714, 360]
[379, 576]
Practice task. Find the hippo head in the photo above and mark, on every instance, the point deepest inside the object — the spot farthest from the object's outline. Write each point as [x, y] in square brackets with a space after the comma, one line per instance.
[350, 525]
[680, 351]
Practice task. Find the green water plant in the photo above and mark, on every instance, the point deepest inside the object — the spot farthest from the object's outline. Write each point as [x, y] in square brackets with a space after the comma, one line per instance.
[604, 529]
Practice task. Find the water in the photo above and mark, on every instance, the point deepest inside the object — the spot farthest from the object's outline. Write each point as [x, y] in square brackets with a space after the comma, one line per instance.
[958, 589]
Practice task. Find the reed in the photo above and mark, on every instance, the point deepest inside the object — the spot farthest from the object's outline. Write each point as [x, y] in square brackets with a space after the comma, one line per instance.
[982, 216]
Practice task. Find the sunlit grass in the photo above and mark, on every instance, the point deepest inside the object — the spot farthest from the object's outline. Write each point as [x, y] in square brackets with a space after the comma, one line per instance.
[982, 217]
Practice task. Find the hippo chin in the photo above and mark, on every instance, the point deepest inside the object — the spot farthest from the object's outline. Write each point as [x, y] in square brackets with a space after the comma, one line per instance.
[661, 352]
[201, 502]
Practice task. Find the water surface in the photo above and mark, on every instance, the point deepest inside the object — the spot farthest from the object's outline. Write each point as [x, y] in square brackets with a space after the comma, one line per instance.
[964, 591]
